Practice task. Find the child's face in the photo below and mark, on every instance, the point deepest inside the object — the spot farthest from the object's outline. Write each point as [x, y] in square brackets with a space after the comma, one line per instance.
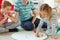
[7, 8]
[44, 13]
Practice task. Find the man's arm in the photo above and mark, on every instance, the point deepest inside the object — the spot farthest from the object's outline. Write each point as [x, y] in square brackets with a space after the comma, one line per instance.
[16, 6]
[34, 17]
[34, 11]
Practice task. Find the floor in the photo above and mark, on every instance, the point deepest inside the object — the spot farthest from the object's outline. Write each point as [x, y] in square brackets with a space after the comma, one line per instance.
[7, 36]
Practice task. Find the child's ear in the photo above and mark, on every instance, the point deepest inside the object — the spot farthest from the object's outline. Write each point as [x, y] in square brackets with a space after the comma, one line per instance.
[50, 10]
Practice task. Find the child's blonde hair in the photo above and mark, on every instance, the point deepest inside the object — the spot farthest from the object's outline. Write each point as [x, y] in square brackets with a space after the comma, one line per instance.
[6, 3]
[48, 9]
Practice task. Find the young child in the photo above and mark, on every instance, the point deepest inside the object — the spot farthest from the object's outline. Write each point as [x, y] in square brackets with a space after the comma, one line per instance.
[50, 17]
[6, 14]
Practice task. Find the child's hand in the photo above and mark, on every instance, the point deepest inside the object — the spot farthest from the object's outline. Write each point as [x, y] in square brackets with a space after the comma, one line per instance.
[34, 29]
[13, 12]
[37, 34]
[5, 15]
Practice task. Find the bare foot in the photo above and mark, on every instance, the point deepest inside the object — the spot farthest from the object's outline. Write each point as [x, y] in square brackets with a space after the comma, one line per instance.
[55, 37]
[7, 30]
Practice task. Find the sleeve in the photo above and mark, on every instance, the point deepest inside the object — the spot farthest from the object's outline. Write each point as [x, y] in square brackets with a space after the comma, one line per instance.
[16, 6]
[54, 23]
[54, 20]
[32, 5]
[0, 3]
[40, 25]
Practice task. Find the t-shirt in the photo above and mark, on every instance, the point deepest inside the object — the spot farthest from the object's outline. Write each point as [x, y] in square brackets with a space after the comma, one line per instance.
[7, 20]
[24, 9]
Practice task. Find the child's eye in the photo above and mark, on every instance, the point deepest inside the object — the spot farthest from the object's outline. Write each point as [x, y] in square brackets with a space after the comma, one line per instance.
[8, 9]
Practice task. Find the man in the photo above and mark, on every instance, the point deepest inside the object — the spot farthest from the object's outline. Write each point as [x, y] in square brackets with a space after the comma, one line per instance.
[24, 7]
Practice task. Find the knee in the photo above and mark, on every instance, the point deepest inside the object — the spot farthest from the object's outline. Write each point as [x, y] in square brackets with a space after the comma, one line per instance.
[37, 22]
[28, 26]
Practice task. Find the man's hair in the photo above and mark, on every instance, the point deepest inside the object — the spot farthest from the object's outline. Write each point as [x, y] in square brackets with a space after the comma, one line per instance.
[6, 3]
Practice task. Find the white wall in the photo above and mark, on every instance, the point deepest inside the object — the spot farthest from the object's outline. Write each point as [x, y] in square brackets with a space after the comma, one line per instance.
[50, 2]
[40, 2]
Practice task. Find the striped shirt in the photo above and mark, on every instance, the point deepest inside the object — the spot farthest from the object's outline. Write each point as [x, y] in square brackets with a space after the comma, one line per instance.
[24, 9]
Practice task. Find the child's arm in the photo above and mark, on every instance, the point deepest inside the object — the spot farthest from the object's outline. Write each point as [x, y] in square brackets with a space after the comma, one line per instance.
[39, 26]
[3, 21]
[54, 23]
[15, 18]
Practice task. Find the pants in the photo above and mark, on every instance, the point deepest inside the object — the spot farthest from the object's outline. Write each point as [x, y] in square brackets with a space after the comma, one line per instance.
[10, 25]
[28, 25]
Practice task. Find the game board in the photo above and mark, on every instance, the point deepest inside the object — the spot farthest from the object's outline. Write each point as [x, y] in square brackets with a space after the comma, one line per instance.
[27, 35]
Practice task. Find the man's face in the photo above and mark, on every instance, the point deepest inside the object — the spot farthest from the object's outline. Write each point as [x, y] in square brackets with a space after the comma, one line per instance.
[25, 1]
